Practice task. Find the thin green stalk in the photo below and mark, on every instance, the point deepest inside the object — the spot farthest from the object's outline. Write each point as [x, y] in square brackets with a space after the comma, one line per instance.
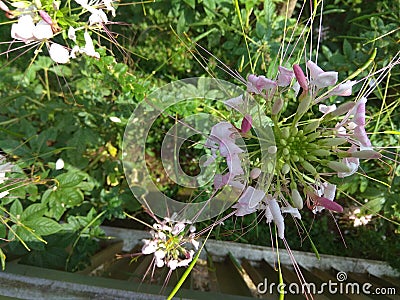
[188, 270]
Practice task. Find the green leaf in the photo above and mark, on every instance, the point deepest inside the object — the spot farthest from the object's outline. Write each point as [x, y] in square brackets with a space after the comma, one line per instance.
[191, 3]
[68, 180]
[347, 50]
[16, 209]
[71, 197]
[33, 211]
[44, 226]
[372, 206]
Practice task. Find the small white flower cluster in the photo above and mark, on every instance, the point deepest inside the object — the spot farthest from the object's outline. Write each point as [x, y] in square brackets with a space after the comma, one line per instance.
[168, 244]
[35, 24]
[359, 220]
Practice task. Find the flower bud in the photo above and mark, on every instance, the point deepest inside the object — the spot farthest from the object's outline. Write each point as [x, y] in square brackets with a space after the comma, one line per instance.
[272, 149]
[285, 169]
[285, 132]
[329, 204]
[255, 173]
[312, 158]
[246, 124]
[338, 167]
[301, 78]
[297, 200]
[45, 16]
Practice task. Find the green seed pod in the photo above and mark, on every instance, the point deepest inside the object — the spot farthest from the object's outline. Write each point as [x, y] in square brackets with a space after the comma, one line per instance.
[321, 152]
[311, 126]
[297, 200]
[308, 167]
[304, 105]
[312, 158]
[333, 141]
[338, 167]
[344, 108]
[313, 136]
[366, 154]
[312, 146]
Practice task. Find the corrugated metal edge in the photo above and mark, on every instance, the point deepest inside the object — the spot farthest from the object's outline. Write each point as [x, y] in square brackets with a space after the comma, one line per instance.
[308, 260]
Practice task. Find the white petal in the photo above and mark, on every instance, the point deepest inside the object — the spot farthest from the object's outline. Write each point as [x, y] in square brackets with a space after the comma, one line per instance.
[115, 119]
[89, 47]
[59, 53]
[43, 31]
[23, 30]
[291, 210]
[71, 33]
[59, 164]
[97, 17]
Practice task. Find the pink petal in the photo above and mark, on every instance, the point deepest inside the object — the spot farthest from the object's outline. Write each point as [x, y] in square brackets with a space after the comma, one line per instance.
[315, 71]
[236, 103]
[325, 79]
[361, 136]
[234, 165]
[321, 78]
[256, 84]
[344, 89]
[326, 109]
[359, 116]
[285, 76]
[246, 124]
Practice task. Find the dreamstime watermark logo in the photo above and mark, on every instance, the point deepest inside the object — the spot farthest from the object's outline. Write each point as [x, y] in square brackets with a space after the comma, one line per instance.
[157, 105]
[341, 287]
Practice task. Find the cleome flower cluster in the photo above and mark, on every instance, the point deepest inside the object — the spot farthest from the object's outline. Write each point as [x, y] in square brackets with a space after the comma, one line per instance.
[315, 142]
[43, 22]
[168, 244]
